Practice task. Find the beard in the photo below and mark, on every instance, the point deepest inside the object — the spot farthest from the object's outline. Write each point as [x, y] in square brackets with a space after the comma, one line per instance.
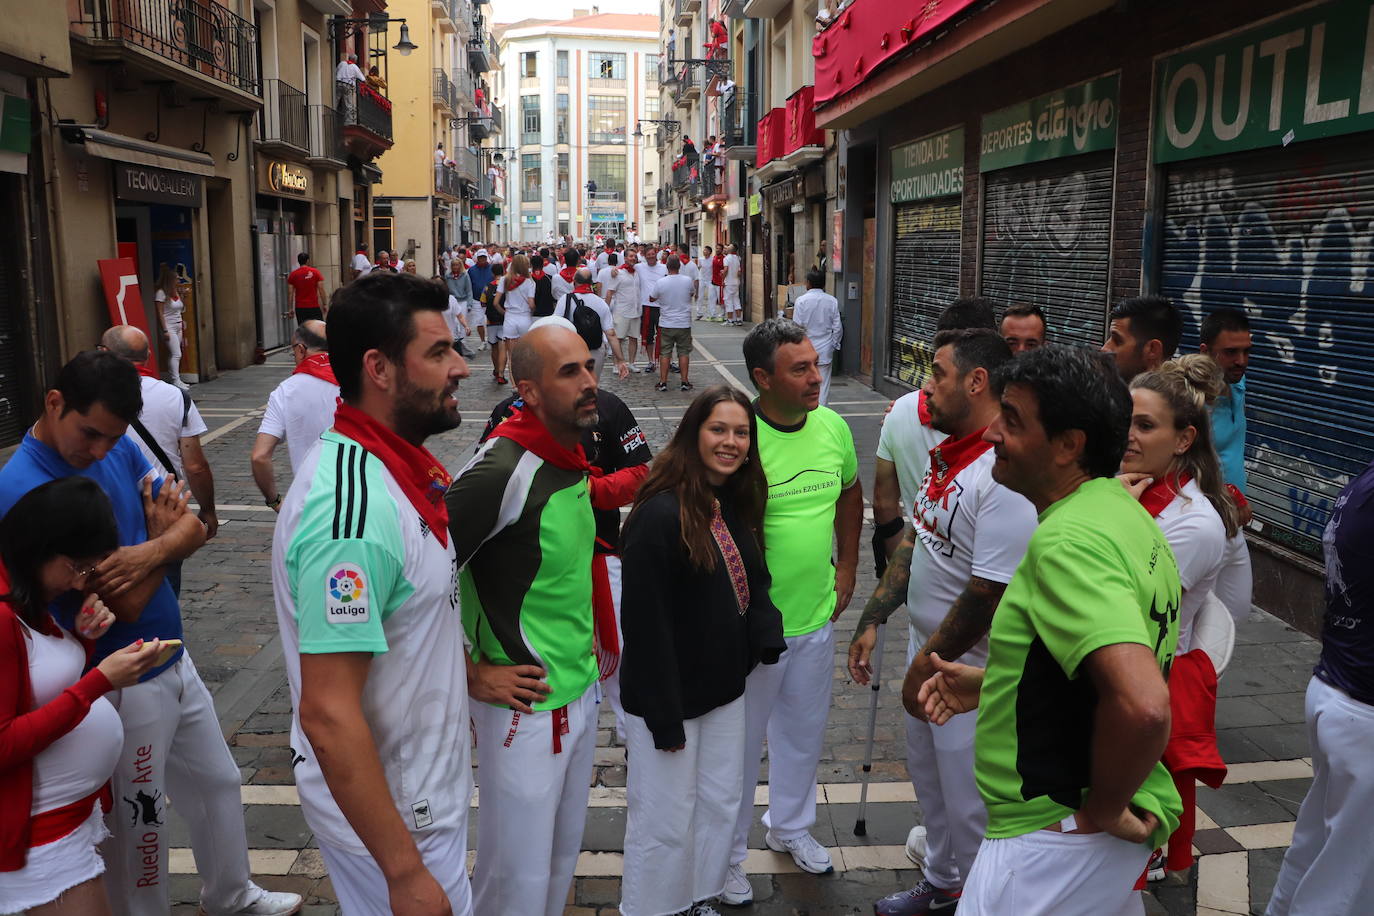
[946, 421]
[420, 412]
[573, 418]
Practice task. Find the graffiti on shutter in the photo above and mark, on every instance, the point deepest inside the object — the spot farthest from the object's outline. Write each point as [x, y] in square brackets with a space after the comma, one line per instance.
[1287, 238]
[1046, 241]
[925, 279]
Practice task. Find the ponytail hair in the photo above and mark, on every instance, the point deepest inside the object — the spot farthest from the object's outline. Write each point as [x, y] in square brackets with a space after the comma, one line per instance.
[1189, 385]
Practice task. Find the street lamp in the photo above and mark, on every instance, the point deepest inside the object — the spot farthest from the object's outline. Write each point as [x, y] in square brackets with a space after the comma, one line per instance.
[669, 126]
[405, 45]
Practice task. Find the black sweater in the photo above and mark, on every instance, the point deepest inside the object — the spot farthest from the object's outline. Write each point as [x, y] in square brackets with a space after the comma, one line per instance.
[687, 647]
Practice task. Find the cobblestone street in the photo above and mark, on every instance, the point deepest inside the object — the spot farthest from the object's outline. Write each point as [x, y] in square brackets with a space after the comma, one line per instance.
[232, 632]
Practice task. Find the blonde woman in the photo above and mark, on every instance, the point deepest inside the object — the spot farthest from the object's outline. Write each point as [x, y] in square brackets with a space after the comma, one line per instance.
[171, 308]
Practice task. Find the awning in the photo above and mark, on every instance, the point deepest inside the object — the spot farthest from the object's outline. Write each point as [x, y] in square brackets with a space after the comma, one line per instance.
[120, 148]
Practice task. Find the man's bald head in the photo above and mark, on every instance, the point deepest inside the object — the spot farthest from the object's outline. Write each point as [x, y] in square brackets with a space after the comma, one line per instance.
[554, 373]
[583, 277]
[126, 342]
[539, 347]
[312, 335]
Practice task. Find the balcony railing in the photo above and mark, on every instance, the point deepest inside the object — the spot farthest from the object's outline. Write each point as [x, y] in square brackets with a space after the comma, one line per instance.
[326, 135]
[283, 116]
[199, 34]
[738, 119]
[662, 199]
[443, 89]
[681, 176]
[447, 181]
[463, 90]
[498, 123]
[362, 106]
[467, 164]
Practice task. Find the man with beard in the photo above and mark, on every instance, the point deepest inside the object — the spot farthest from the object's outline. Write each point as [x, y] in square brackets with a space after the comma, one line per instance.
[1144, 332]
[523, 530]
[365, 584]
[969, 533]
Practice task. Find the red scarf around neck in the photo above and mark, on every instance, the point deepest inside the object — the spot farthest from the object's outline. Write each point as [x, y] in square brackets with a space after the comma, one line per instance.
[1159, 494]
[629, 268]
[419, 474]
[583, 288]
[147, 371]
[316, 364]
[949, 458]
[513, 281]
[527, 430]
[568, 273]
[537, 274]
[923, 409]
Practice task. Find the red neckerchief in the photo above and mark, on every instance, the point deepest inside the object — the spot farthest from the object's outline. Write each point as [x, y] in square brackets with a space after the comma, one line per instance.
[528, 431]
[537, 275]
[584, 288]
[419, 474]
[147, 371]
[567, 274]
[316, 364]
[949, 458]
[628, 267]
[513, 281]
[1159, 494]
[922, 409]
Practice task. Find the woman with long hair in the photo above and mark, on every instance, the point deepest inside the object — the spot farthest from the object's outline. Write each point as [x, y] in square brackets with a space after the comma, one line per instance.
[59, 736]
[167, 295]
[696, 619]
[517, 300]
[1172, 464]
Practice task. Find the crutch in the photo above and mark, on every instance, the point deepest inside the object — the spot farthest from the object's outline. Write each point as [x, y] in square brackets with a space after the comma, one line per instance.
[861, 825]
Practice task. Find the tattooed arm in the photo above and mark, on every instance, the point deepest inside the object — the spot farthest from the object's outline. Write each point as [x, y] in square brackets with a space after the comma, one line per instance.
[968, 620]
[887, 597]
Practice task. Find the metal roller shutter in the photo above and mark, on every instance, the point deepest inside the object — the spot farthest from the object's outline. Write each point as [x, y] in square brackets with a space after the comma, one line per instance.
[925, 279]
[1286, 237]
[1047, 241]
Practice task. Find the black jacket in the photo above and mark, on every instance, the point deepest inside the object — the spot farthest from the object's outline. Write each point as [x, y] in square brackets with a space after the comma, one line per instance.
[688, 649]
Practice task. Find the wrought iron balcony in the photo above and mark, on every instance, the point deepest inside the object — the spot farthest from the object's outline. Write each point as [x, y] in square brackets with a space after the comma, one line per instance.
[448, 182]
[283, 116]
[200, 35]
[464, 92]
[738, 119]
[362, 108]
[466, 164]
[443, 90]
[326, 134]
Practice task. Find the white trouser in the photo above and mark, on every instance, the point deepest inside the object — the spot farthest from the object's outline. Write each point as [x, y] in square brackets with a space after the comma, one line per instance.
[714, 298]
[532, 805]
[681, 805]
[173, 746]
[1065, 874]
[361, 888]
[610, 687]
[825, 382]
[732, 304]
[1329, 868]
[790, 703]
[939, 760]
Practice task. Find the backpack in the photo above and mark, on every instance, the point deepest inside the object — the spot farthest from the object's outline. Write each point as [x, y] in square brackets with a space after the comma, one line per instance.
[585, 320]
[544, 301]
[494, 315]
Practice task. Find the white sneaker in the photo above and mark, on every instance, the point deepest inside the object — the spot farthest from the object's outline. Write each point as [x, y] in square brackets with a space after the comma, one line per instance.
[738, 891]
[703, 909]
[180, 384]
[805, 851]
[916, 846]
[269, 903]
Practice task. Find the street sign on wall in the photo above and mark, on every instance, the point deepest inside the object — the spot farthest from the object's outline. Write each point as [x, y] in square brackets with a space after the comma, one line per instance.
[932, 166]
[1304, 76]
[1067, 122]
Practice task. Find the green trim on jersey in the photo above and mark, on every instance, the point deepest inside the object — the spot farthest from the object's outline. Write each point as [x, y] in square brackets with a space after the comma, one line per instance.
[343, 562]
[523, 531]
[1097, 572]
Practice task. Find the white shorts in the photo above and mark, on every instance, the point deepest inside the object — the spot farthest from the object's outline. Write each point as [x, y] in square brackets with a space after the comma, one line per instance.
[55, 868]
[361, 887]
[1065, 874]
[515, 326]
[626, 328]
[477, 317]
[493, 333]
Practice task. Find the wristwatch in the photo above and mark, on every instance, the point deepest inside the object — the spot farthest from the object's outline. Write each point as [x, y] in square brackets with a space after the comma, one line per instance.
[272, 503]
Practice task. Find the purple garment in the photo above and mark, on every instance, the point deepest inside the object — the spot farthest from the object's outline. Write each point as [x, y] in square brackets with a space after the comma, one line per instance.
[1347, 659]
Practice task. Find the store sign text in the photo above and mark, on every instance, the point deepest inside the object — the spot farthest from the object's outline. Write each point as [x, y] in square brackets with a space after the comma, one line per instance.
[1079, 119]
[157, 186]
[1298, 78]
[929, 167]
[287, 179]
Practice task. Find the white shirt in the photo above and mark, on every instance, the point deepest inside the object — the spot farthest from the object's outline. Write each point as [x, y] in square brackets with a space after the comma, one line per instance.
[299, 410]
[704, 268]
[601, 259]
[558, 285]
[591, 301]
[650, 274]
[689, 270]
[348, 70]
[455, 308]
[361, 263]
[1235, 579]
[496, 258]
[169, 416]
[1197, 536]
[172, 309]
[673, 295]
[977, 528]
[906, 442]
[517, 301]
[625, 300]
[732, 270]
[819, 312]
[607, 277]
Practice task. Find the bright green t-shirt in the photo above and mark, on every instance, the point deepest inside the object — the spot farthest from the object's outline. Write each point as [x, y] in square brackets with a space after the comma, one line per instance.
[807, 468]
[1097, 572]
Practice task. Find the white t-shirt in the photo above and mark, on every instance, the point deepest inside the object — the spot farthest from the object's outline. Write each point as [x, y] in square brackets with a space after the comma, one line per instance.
[601, 259]
[607, 277]
[172, 309]
[496, 258]
[591, 301]
[348, 70]
[384, 585]
[1235, 578]
[978, 528]
[625, 299]
[705, 270]
[361, 263]
[689, 270]
[1197, 537]
[650, 274]
[906, 442]
[559, 286]
[732, 270]
[673, 295]
[517, 301]
[819, 312]
[455, 308]
[299, 410]
[170, 416]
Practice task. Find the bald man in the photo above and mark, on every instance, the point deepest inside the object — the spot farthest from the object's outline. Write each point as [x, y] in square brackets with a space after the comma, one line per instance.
[299, 410]
[522, 524]
[168, 430]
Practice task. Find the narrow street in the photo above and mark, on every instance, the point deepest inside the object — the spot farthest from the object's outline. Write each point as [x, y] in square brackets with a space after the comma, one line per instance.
[231, 630]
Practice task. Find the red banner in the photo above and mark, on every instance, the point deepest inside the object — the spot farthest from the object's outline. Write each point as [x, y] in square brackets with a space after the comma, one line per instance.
[771, 140]
[801, 121]
[869, 33]
[119, 278]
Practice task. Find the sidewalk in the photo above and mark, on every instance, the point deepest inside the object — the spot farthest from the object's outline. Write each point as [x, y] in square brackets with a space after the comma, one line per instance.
[231, 630]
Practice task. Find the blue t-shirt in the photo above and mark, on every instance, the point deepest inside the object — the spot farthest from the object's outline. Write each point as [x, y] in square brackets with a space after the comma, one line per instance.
[120, 474]
[1347, 659]
[1228, 431]
[480, 277]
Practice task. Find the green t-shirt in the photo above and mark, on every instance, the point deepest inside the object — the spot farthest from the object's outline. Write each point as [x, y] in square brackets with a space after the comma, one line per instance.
[807, 469]
[1097, 572]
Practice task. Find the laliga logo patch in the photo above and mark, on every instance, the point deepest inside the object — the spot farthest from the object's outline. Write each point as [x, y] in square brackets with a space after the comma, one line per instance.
[345, 599]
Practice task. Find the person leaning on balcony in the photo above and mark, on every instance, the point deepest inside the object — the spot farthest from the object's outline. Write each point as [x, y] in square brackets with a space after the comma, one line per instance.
[348, 71]
[374, 79]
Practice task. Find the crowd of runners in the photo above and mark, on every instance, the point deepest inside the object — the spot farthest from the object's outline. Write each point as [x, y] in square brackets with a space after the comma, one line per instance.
[1063, 526]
